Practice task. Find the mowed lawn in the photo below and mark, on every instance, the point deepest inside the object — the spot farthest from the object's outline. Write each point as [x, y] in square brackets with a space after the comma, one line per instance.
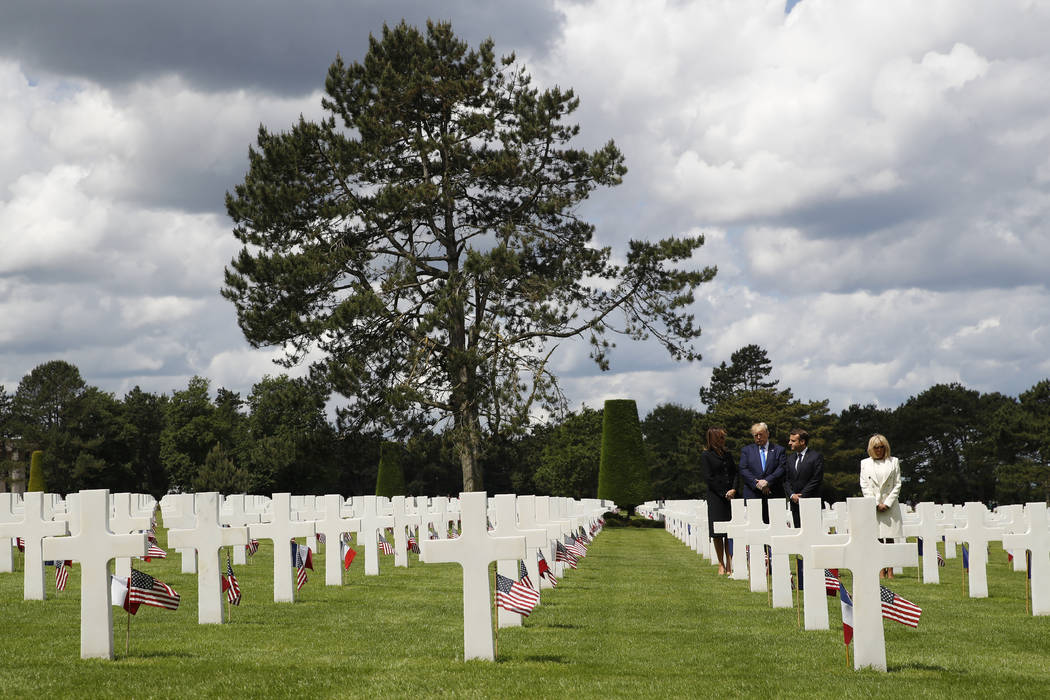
[643, 617]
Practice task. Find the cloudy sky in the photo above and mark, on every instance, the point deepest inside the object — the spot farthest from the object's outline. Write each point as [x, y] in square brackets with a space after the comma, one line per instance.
[873, 178]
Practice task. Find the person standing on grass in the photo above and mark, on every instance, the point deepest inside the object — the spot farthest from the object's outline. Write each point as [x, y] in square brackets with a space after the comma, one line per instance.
[804, 472]
[880, 478]
[761, 468]
[721, 476]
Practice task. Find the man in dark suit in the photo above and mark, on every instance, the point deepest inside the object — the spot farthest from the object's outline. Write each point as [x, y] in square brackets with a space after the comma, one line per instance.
[761, 468]
[803, 472]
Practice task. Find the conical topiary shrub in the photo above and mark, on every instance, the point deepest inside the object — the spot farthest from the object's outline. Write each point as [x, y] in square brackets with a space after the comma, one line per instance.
[390, 481]
[36, 472]
[623, 472]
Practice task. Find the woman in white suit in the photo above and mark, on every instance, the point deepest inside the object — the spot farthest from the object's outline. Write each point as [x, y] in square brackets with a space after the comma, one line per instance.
[880, 478]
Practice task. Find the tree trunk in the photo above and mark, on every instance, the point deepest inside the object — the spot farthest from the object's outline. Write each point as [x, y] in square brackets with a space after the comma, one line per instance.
[468, 446]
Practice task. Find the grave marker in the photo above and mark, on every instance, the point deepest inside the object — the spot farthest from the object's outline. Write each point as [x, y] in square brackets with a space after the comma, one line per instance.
[332, 525]
[33, 528]
[474, 550]
[865, 556]
[1036, 540]
[811, 532]
[507, 525]
[977, 534]
[208, 537]
[281, 530]
[93, 546]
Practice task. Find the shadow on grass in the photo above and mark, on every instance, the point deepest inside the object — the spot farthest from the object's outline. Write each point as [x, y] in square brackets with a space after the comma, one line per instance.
[544, 658]
[914, 666]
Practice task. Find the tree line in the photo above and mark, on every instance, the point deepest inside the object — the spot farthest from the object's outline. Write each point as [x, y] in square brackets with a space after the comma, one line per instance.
[955, 444]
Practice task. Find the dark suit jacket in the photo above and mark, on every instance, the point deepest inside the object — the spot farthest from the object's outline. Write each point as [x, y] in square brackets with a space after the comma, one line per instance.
[805, 480]
[751, 469]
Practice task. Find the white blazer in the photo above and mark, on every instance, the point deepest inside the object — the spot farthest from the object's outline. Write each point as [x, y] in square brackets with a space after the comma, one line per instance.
[881, 480]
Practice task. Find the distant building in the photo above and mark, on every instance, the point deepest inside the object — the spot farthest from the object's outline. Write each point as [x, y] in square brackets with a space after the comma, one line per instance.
[13, 471]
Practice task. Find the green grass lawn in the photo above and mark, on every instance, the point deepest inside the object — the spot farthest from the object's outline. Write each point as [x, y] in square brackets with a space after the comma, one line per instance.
[643, 616]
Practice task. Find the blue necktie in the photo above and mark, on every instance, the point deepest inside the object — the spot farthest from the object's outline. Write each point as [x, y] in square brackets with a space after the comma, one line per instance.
[762, 451]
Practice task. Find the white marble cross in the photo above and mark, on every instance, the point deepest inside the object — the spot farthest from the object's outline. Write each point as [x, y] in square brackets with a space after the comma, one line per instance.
[780, 566]
[1036, 540]
[474, 550]
[810, 532]
[1012, 519]
[977, 534]
[735, 529]
[402, 520]
[208, 537]
[507, 526]
[236, 514]
[332, 525]
[123, 522]
[93, 546]
[526, 506]
[7, 515]
[33, 528]
[545, 515]
[925, 527]
[182, 515]
[865, 556]
[281, 530]
[756, 556]
[372, 523]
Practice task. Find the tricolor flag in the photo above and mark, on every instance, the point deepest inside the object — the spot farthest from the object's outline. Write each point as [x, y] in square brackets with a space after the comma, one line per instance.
[348, 552]
[229, 584]
[514, 597]
[545, 572]
[898, 609]
[847, 615]
[966, 558]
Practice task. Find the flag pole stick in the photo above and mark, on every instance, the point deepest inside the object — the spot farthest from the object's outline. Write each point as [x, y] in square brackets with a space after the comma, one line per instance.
[495, 613]
[798, 608]
[1027, 578]
[127, 633]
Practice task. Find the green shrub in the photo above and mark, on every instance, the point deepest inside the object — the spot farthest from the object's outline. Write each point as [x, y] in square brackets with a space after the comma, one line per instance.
[623, 472]
[390, 481]
[36, 472]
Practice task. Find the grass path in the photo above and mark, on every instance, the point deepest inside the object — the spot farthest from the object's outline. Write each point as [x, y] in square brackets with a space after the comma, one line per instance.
[643, 616]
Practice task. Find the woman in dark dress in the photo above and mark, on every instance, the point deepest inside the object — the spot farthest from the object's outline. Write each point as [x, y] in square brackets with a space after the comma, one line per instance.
[721, 477]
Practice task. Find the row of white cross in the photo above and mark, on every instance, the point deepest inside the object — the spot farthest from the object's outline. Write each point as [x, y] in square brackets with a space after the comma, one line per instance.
[855, 546]
[93, 527]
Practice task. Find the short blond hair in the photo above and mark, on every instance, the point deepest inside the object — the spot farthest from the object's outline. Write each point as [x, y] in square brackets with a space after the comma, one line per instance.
[759, 427]
[874, 442]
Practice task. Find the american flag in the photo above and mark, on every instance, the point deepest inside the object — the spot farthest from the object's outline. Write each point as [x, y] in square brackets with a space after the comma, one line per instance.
[143, 589]
[21, 544]
[151, 533]
[155, 552]
[940, 559]
[61, 574]
[831, 582]
[523, 574]
[321, 538]
[252, 547]
[576, 547]
[562, 554]
[229, 584]
[545, 572]
[384, 546]
[413, 545]
[433, 534]
[302, 563]
[514, 597]
[898, 609]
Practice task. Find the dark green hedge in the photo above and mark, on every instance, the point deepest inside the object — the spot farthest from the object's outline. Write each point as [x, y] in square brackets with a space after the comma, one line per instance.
[390, 481]
[623, 472]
